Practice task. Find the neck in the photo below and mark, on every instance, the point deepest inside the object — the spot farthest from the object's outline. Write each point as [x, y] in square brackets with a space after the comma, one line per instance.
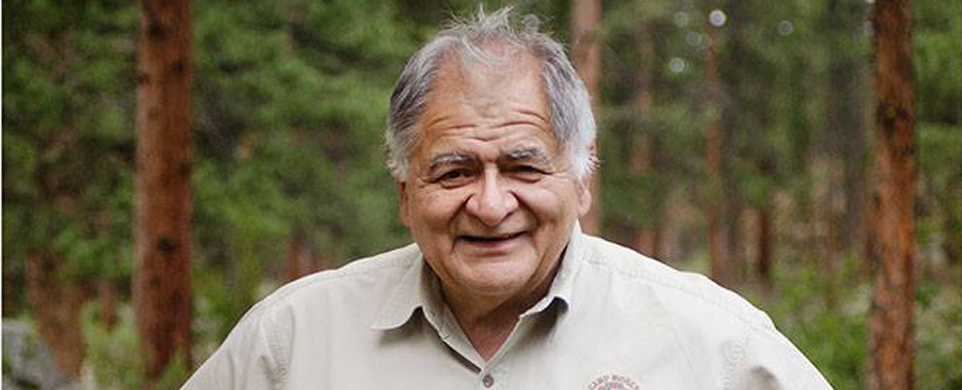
[488, 321]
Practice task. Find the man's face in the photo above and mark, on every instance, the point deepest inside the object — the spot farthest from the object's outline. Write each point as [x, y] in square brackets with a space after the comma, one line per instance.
[490, 198]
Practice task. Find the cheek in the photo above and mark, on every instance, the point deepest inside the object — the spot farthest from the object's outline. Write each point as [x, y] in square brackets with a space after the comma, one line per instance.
[549, 204]
[435, 208]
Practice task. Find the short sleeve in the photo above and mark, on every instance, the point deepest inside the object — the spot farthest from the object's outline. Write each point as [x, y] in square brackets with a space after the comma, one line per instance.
[767, 360]
[247, 359]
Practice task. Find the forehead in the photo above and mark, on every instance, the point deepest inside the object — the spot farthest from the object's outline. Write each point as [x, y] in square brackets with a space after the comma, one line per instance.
[499, 102]
[502, 73]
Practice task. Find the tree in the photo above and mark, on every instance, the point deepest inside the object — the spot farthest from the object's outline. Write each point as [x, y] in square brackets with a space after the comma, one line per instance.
[161, 283]
[894, 294]
[67, 153]
[56, 305]
[717, 241]
[289, 116]
[586, 54]
[843, 139]
[644, 159]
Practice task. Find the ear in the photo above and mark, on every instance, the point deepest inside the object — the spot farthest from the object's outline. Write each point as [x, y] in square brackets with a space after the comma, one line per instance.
[584, 195]
[585, 185]
[402, 201]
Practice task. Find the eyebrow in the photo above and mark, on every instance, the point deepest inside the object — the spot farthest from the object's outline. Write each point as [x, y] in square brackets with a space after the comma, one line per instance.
[454, 158]
[537, 155]
[523, 154]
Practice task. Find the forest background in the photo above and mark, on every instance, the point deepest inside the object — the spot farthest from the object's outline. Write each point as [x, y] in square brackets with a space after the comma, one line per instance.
[754, 114]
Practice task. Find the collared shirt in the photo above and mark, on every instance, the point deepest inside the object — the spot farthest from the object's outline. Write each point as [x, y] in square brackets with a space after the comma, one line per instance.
[612, 319]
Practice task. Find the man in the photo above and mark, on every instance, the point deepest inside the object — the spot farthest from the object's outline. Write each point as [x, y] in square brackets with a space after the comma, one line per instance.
[490, 141]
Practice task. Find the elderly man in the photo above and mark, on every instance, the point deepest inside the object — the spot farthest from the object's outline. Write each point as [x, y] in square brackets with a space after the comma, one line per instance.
[490, 141]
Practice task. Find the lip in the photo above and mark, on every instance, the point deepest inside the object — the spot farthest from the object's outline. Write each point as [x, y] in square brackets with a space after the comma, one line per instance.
[492, 244]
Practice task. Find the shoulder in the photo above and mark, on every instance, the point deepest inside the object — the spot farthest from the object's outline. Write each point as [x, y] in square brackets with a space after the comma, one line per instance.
[260, 348]
[690, 297]
[375, 268]
[349, 295]
[362, 280]
[258, 351]
[718, 331]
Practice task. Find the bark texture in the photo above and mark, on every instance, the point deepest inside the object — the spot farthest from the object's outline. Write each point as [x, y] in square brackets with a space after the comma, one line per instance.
[586, 54]
[893, 298]
[55, 302]
[161, 283]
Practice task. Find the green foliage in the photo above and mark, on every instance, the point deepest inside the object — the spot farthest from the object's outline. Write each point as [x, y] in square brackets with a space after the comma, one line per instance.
[68, 140]
[175, 374]
[938, 327]
[937, 37]
[834, 339]
[939, 310]
[112, 354]
[290, 99]
[290, 119]
[940, 168]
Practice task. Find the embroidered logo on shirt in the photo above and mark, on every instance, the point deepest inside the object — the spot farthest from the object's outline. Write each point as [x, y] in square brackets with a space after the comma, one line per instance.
[612, 382]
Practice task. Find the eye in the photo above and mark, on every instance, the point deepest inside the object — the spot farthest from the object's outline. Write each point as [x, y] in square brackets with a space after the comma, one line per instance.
[453, 178]
[451, 175]
[527, 172]
[527, 169]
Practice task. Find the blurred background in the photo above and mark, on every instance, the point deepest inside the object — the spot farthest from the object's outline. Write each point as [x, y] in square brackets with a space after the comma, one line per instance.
[737, 138]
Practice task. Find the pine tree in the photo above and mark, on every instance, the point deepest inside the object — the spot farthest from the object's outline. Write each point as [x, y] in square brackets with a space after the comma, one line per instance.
[161, 284]
[894, 295]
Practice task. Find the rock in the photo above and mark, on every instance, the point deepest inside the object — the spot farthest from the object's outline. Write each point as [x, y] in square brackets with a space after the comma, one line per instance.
[27, 363]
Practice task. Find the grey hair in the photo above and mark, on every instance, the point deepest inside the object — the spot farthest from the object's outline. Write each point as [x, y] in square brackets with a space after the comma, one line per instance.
[571, 118]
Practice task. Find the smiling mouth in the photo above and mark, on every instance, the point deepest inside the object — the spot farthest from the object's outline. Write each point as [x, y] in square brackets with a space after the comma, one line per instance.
[486, 239]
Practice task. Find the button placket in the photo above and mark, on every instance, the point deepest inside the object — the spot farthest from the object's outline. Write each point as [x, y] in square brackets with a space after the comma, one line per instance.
[487, 381]
[494, 377]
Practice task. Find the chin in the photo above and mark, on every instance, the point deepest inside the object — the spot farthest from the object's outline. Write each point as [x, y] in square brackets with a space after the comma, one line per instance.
[498, 279]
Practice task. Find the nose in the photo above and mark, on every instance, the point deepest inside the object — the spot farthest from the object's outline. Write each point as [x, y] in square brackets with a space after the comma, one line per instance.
[492, 202]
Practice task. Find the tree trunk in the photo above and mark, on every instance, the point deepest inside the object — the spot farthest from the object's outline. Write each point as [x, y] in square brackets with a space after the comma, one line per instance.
[161, 283]
[732, 208]
[586, 54]
[12, 281]
[829, 156]
[107, 297]
[319, 263]
[648, 236]
[830, 262]
[872, 248]
[645, 234]
[855, 180]
[845, 133]
[299, 260]
[765, 245]
[55, 303]
[717, 243]
[893, 298]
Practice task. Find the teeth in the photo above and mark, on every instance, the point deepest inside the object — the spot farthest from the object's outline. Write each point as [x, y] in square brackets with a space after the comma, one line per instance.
[489, 239]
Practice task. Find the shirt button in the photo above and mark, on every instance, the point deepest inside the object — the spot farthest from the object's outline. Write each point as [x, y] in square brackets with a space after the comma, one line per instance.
[488, 380]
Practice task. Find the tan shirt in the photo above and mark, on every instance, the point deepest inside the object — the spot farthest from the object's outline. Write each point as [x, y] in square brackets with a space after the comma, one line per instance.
[611, 318]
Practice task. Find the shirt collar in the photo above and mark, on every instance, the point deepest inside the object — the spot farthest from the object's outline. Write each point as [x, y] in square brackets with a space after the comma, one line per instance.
[563, 284]
[419, 288]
